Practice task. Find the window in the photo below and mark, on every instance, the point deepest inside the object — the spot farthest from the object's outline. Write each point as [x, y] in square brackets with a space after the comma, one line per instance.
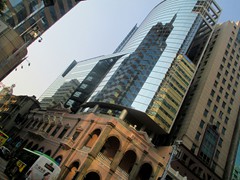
[229, 110]
[215, 108]
[231, 78]
[89, 78]
[217, 154]
[221, 89]
[197, 136]
[55, 131]
[228, 65]
[205, 113]
[229, 87]
[224, 81]
[226, 52]
[228, 46]
[223, 105]
[221, 67]
[218, 125]
[75, 135]
[215, 84]
[233, 71]
[233, 51]
[231, 58]
[209, 102]
[236, 84]
[77, 94]
[61, 135]
[233, 92]
[201, 125]
[231, 101]
[211, 119]
[194, 147]
[231, 40]
[83, 86]
[226, 120]
[226, 95]
[223, 130]
[218, 75]
[220, 114]
[212, 93]
[50, 128]
[218, 99]
[224, 59]
[220, 142]
[226, 73]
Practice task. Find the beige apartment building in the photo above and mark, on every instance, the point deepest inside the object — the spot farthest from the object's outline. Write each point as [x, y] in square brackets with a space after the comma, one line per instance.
[209, 120]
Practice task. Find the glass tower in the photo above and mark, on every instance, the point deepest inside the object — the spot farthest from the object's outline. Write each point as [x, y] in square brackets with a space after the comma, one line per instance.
[161, 59]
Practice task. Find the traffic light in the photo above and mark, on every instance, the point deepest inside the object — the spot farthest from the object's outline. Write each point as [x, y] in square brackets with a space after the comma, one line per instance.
[48, 3]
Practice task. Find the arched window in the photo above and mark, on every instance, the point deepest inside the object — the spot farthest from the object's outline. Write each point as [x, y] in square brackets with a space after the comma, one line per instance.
[29, 145]
[58, 159]
[92, 176]
[48, 152]
[41, 149]
[144, 172]
[111, 147]
[128, 161]
[93, 138]
[72, 173]
[35, 147]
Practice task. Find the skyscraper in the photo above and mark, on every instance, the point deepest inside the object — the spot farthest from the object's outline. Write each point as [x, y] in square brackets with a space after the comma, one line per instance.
[162, 57]
[208, 122]
[187, 83]
[29, 19]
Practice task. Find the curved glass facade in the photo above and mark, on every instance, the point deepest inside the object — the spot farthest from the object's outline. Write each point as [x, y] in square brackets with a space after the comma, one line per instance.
[135, 80]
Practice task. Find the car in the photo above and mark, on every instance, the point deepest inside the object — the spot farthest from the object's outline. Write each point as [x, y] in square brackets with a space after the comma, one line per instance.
[5, 152]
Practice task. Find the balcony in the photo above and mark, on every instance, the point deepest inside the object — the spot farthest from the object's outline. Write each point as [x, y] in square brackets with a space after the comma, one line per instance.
[121, 173]
[103, 160]
[67, 143]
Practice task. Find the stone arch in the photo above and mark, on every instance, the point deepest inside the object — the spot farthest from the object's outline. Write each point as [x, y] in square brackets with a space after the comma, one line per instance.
[144, 172]
[58, 159]
[72, 171]
[24, 143]
[35, 147]
[41, 149]
[93, 138]
[29, 145]
[48, 152]
[128, 161]
[92, 176]
[110, 147]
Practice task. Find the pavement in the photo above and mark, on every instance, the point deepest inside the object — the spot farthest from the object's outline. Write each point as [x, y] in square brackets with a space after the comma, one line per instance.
[3, 164]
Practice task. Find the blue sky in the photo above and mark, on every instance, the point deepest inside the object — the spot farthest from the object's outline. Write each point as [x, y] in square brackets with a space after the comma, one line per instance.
[90, 29]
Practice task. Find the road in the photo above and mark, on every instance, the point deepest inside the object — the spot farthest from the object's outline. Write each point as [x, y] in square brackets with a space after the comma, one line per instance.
[3, 164]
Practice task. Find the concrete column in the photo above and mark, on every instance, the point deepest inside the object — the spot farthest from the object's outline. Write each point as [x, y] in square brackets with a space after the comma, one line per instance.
[84, 168]
[86, 131]
[155, 174]
[95, 150]
[137, 165]
[101, 139]
[118, 157]
[123, 114]
[95, 108]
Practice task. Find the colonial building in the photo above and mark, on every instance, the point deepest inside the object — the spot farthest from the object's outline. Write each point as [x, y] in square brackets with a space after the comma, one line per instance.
[100, 142]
